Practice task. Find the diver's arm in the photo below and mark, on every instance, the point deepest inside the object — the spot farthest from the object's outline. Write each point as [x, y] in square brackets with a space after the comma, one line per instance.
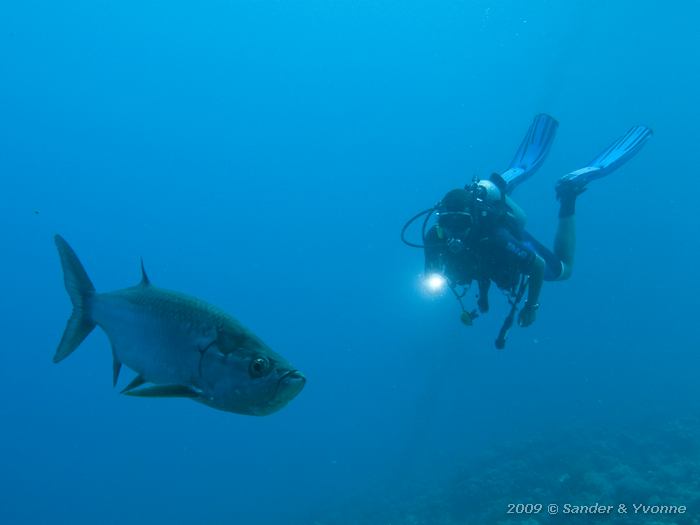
[433, 252]
[433, 261]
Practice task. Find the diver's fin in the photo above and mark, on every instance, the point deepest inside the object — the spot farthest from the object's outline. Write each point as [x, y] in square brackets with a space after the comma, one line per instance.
[80, 290]
[145, 281]
[135, 383]
[532, 151]
[610, 159]
[116, 368]
[164, 391]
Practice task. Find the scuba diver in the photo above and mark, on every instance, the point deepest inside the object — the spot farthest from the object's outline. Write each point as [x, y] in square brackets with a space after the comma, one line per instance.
[479, 235]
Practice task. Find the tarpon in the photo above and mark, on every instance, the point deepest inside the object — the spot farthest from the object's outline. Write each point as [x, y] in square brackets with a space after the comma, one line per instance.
[180, 345]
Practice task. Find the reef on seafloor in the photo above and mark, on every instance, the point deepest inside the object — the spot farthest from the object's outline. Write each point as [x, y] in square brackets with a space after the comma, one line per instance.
[654, 472]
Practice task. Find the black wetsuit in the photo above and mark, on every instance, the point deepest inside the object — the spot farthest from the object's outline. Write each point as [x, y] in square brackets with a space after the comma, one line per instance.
[496, 254]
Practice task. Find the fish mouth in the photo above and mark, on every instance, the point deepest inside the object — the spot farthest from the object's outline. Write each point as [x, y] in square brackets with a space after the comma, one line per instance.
[290, 384]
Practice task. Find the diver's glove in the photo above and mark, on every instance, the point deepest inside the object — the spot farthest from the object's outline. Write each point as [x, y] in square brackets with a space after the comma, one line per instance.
[467, 318]
[528, 314]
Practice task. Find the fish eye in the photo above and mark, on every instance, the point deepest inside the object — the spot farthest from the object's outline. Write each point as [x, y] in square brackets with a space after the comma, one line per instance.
[259, 367]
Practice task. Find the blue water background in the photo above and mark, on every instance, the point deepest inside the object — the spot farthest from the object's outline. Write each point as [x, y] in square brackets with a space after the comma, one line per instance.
[263, 155]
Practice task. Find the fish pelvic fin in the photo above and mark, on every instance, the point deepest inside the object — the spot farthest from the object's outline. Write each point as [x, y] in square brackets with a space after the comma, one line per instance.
[116, 368]
[80, 290]
[135, 383]
[164, 391]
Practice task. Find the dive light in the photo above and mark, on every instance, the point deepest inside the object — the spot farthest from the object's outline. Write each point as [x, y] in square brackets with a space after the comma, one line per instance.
[435, 282]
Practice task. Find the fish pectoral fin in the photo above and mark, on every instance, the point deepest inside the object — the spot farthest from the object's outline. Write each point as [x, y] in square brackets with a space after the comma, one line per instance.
[135, 383]
[164, 391]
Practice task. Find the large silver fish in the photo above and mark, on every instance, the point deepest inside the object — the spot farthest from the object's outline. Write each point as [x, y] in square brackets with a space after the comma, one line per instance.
[182, 345]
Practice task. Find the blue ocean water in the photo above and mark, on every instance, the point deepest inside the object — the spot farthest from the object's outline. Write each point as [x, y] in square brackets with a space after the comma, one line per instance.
[263, 155]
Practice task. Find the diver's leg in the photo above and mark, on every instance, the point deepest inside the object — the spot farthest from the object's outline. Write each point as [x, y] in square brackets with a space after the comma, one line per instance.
[565, 245]
[554, 267]
[565, 238]
[571, 185]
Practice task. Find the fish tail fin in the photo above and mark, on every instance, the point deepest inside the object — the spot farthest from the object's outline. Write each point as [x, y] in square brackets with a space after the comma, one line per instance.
[80, 290]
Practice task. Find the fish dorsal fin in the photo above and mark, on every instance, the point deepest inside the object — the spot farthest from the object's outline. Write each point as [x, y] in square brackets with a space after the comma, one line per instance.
[145, 281]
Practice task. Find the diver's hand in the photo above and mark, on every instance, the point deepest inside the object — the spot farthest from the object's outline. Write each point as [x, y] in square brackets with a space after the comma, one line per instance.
[528, 314]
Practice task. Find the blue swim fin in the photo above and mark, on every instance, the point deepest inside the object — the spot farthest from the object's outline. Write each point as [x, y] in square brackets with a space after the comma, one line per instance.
[532, 151]
[612, 158]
